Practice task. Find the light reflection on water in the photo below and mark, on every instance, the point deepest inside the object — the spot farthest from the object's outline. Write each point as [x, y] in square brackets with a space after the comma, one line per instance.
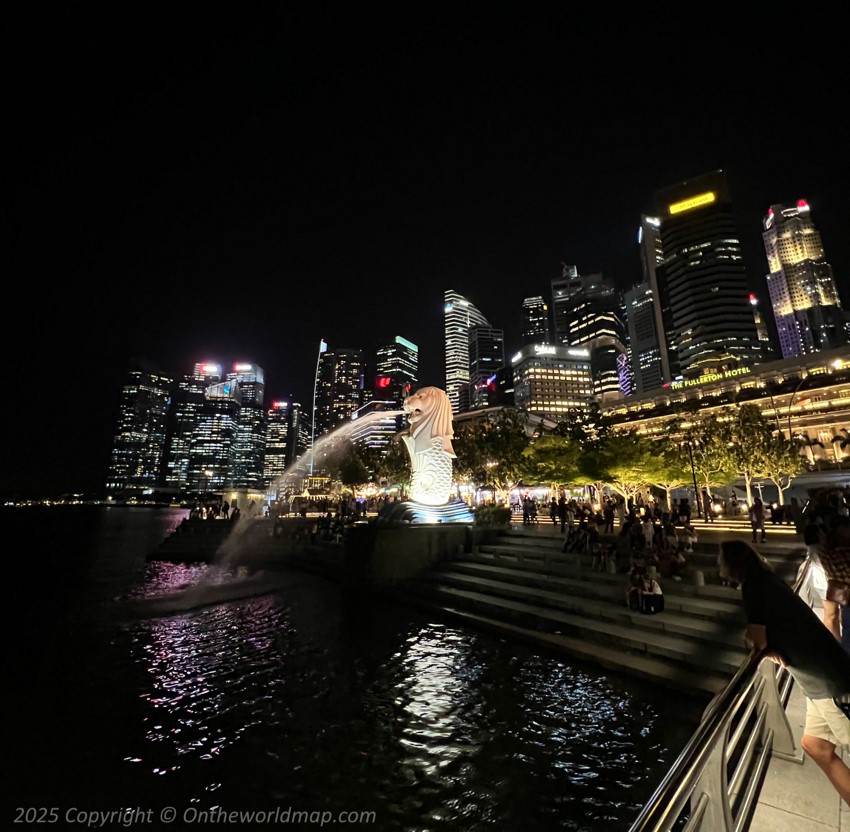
[313, 699]
[450, 727]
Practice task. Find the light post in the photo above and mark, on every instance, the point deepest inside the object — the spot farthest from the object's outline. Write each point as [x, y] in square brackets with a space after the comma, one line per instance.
[694, 475]
[791, 404]
[323, 347]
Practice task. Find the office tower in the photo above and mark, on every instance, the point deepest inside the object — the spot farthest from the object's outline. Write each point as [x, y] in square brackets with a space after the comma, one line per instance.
[563, 288]
[138, 448]
[535, 321]
[591, 316]
[339, 389]
[647, 343]
[188, 404]
[251, 380]
[803, 293]
[249, 448]
[396, 371]
[552, 381]
[214, 440]
[703, 282]
[486, 358]
[761, 329]
[277, 436]
[460, 315]
[300, 437]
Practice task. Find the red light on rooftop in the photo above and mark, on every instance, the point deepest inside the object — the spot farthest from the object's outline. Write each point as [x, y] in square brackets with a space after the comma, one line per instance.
[801, 203]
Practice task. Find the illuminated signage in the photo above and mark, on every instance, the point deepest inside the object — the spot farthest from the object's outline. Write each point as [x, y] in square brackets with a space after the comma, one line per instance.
[579, 353]
[693, 202]
[708, 378]
[544, 349]
[516, 358]
[209, 368]
[383, 381]
[280, 405]
[243, 368]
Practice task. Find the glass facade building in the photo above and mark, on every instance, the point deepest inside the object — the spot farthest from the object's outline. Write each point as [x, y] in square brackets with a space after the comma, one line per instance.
[460, 316]
[137, 461]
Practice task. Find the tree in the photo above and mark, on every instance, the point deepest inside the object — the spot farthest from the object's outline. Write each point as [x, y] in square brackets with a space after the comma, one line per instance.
[751, 439]
[583, 426]
[710, 439]
[394, 467]
[781, 463]
[669, 469]
[552, 459]
[490, 452]
[345, 464]
[623, 461]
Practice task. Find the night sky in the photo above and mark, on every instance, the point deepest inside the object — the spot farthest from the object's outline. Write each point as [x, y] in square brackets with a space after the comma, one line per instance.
[239, 184]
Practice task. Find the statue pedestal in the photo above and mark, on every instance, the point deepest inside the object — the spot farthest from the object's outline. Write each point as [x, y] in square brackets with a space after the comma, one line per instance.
[406, 541]
[410, 512]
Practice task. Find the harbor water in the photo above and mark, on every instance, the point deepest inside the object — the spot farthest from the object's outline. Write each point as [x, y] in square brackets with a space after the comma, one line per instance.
[351, 711]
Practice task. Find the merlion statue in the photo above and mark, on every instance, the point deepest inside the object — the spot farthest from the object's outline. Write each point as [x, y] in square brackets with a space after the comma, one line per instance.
[429, 443]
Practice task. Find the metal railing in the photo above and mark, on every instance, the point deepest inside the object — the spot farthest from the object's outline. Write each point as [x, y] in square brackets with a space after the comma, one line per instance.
[714, 784]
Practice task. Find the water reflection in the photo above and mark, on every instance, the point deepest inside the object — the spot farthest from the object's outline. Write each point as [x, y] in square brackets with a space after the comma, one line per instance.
[311, 698]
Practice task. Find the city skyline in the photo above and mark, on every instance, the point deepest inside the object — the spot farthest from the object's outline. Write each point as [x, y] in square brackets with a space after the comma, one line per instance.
[188, 193]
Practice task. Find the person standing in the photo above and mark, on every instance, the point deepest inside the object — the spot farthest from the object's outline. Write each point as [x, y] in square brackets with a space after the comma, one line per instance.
[782, 627]
[553, 511]
[757, 518]
[562, 511]
[706, 505]
[608, 514]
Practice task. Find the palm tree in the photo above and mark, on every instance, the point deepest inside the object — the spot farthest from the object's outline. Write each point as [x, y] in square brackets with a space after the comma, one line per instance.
[841, 445]
[808, 445]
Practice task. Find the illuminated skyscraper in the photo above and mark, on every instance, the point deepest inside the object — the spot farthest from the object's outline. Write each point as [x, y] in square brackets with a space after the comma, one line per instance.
[460, 316]
[590, 314]
[563, 288]
[647, 338]
[138, 449]
[249, 449]
[486, 358]
[277, 430]
[703, 283]
[803, 293]
[535, 321]
[339, 391]
[188, 404]
[396, 370]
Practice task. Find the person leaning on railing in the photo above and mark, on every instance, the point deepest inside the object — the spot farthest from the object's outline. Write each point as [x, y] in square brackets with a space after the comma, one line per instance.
[834, 556]
[782, 627]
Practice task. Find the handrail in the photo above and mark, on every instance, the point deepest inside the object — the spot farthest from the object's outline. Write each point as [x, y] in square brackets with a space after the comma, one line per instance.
[752, 705]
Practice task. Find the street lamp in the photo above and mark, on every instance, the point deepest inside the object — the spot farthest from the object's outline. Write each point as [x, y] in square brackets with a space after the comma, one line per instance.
[694, 475]
[791, 404]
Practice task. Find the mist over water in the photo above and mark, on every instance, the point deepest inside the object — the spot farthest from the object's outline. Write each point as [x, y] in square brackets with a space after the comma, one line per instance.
[315, 699]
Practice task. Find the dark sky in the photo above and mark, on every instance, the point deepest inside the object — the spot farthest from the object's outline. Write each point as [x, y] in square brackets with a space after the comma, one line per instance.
[238, 184]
